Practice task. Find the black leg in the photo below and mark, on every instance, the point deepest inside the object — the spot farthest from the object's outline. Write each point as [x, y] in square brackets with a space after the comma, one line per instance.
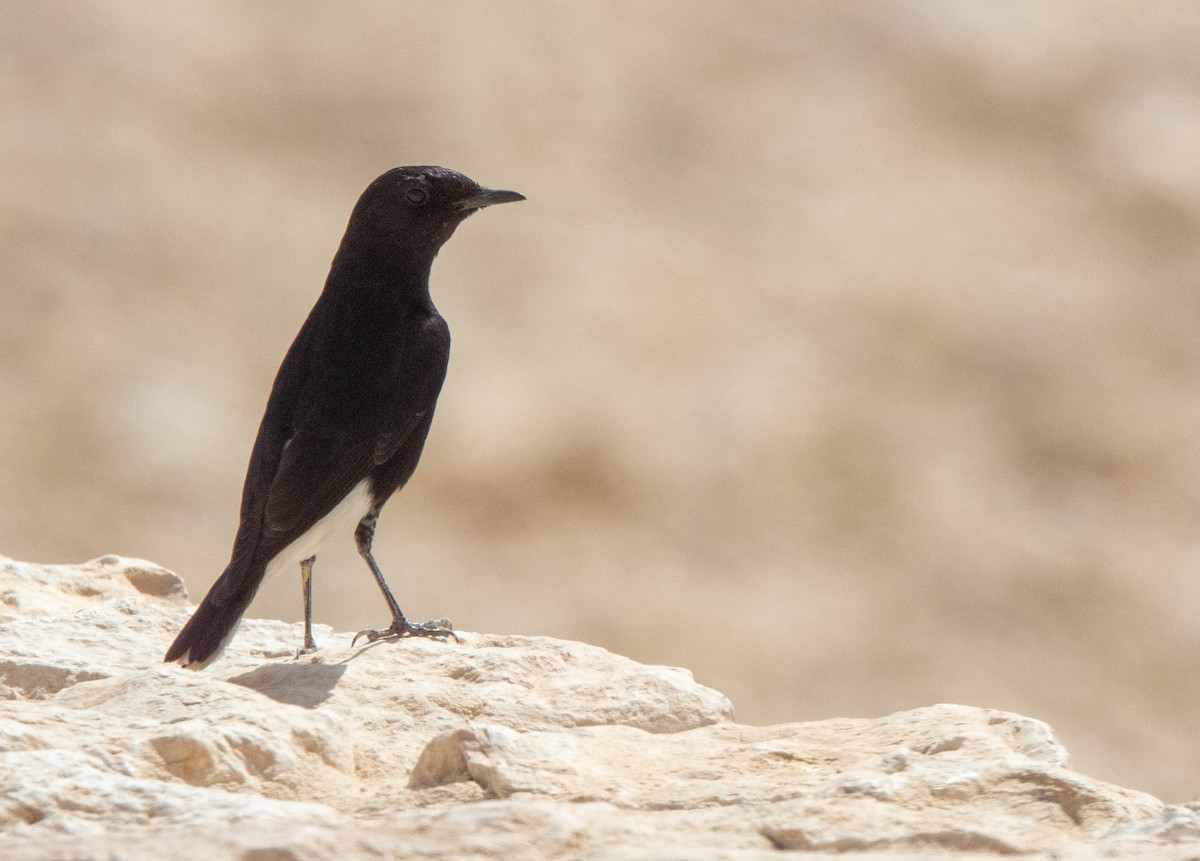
[306, 565]
[400, 627]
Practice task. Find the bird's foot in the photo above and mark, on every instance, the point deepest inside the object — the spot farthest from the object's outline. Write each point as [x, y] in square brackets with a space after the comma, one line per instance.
[401, 628]
[310, 645]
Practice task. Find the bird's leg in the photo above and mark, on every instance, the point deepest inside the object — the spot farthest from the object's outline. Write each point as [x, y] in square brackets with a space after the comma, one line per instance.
[400, 626]
[310, 644]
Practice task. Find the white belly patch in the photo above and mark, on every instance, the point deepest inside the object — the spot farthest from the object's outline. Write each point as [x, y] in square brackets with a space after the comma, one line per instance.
[341, 521]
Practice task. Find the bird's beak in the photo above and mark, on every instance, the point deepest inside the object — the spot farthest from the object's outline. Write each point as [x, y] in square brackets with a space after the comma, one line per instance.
[487, 197]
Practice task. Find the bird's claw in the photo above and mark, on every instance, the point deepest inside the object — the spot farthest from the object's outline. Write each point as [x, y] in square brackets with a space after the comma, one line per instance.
[402, 628]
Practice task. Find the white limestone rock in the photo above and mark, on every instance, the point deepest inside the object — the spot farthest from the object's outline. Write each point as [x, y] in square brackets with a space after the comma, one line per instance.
[495, 747]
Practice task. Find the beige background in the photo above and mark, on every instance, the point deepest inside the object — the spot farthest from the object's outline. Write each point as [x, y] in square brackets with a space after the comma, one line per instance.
[846, 354]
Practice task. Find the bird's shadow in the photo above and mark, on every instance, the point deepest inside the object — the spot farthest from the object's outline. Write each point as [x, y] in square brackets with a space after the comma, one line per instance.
[304, 684]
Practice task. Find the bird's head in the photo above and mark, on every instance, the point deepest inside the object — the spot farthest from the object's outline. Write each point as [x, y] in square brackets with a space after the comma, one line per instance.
[418, 208]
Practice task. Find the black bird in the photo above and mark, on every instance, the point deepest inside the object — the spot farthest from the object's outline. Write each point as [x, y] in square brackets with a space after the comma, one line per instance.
[351, 405]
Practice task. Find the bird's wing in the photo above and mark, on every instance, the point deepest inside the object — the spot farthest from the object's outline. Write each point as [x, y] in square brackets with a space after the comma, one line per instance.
[316, 470]
[328, 454]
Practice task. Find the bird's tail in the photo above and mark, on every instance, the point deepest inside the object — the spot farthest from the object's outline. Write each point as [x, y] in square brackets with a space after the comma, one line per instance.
[215, 621]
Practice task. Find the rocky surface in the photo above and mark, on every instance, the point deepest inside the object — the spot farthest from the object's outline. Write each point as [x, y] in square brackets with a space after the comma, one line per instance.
[497, 747]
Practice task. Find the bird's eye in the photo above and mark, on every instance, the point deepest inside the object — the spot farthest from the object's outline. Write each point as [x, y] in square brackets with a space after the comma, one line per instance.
[416, 196]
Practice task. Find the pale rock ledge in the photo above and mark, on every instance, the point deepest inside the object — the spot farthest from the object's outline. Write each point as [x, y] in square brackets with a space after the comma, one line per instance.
[497, 747]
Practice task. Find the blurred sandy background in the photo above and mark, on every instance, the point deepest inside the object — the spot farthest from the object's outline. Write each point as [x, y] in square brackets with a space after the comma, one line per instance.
[847, 354]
